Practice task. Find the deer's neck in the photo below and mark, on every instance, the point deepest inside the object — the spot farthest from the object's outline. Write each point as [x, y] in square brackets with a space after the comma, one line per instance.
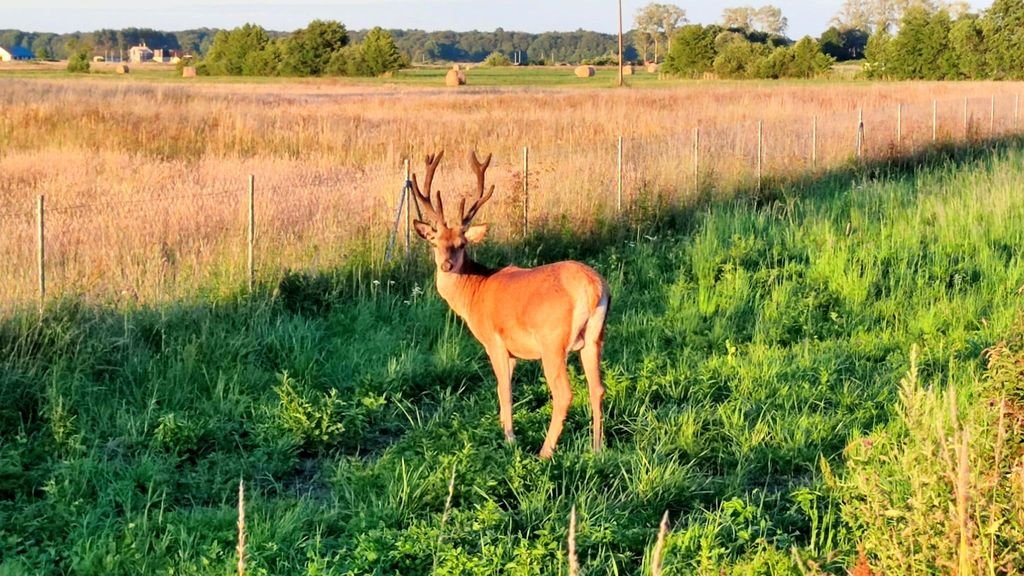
[459, 288]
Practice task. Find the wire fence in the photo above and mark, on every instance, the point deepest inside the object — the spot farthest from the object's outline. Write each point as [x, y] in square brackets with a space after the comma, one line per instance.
[164, 246]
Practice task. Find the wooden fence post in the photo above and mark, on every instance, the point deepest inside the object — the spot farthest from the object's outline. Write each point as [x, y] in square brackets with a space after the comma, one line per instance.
[252, 233]
[860, 133]
[41, 245]
[992, 118]
[899, 126]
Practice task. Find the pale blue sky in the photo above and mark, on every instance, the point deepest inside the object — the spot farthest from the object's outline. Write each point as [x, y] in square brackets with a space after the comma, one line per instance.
[805, 16]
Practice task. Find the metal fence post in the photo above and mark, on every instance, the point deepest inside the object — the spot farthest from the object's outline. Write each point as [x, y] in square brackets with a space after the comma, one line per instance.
[619, 197]
[760, 151]
[408, 211]
[696, 159]
[41, 254]
[526, 190]
[899, 126]
[814, 143]
[252, 232]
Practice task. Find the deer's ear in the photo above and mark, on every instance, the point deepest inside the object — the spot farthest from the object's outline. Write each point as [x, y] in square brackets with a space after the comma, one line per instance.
[476, 234]
[425, 231]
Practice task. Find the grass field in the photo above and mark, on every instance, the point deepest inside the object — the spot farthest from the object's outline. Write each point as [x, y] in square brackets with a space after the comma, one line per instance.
[761, 388]
[145, 182]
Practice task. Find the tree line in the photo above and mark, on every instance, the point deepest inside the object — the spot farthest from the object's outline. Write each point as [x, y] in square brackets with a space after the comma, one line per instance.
[898, 39]
[932, 42]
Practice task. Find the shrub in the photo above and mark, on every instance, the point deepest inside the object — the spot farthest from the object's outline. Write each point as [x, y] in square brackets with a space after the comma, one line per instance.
[497, 59]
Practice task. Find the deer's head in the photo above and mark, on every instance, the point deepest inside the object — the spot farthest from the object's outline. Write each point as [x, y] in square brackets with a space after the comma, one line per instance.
[449, 242]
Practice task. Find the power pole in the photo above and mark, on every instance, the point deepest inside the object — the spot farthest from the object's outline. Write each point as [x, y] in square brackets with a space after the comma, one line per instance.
[620, 43]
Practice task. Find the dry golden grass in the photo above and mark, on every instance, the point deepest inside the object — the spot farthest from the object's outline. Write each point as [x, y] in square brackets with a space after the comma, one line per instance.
[145, 184]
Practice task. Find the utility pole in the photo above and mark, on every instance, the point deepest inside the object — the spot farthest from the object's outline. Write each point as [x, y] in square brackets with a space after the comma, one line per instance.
[620, 43]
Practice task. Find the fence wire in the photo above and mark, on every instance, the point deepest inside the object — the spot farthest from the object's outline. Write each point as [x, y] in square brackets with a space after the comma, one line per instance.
[190, 239]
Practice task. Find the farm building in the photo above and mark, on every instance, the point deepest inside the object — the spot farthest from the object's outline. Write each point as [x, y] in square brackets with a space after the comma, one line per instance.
[140, 53]
[15, 53]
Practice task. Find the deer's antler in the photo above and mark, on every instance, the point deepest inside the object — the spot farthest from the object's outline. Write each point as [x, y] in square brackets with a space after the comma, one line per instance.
[481, 198]
[426, 201]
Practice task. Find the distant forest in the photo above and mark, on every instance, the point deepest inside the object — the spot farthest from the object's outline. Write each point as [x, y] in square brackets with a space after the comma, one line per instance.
[418, 46]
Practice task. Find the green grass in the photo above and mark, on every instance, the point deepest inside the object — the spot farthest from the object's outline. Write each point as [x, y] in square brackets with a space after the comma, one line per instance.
[749, 344]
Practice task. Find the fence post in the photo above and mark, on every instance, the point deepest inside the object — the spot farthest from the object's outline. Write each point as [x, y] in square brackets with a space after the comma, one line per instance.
[899, 126]
[966, 122]
[992, 118]
[935, 121]
[526, 190]
[408, 211]
[41, 244]
[696, 159]
[252, 232]
[760, 151]
[860, 133]
[619, 197]
[814, 143]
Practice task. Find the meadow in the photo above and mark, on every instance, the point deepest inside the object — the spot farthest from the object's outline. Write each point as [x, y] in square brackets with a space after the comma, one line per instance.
[816, 375]
[145, 183]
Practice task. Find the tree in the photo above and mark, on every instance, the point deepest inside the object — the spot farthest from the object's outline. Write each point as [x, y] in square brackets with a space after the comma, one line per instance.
[807, 60]
[78, 61]
[692, 52]
[1003, 27]
[770, 19]
[380, 53]
[967, 42]
[232, 52]
[308, 51]
[853, 14]
[741, 59]
[497, 59]
[877, 54]
[655, 22]
[738, 18]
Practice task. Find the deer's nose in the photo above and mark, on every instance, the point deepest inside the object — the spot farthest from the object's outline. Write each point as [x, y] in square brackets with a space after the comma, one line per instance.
[446, 266]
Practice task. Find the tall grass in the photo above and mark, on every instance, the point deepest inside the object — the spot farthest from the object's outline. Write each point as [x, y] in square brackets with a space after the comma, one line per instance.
[145, 183]
[753, 367]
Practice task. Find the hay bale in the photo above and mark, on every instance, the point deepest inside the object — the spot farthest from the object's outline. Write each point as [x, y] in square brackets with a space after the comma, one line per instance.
[455, 77]
[652, 68]
[188, 72]
[627, 70]
[585, 71]
[122, 69]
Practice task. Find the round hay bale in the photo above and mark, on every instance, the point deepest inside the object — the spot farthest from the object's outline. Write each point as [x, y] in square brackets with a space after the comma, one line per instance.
[455, 77]
[585, 71]
[652, 68]
[188, 72]
[122, 69]
[627, 70]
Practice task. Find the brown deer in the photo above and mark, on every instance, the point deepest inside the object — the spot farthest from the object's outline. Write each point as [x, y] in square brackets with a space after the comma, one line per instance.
[541, 313]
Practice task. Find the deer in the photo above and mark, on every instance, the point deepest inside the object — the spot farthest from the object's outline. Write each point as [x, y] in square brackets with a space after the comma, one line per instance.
[541, 313]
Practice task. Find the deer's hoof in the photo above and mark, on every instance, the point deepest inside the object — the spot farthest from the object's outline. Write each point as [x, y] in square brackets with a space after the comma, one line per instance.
[546, 453]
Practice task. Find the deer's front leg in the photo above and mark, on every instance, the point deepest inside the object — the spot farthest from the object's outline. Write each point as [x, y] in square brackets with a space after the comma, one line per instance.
[503, 365]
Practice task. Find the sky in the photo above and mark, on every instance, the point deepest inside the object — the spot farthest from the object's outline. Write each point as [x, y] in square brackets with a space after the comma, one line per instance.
[805, 16]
